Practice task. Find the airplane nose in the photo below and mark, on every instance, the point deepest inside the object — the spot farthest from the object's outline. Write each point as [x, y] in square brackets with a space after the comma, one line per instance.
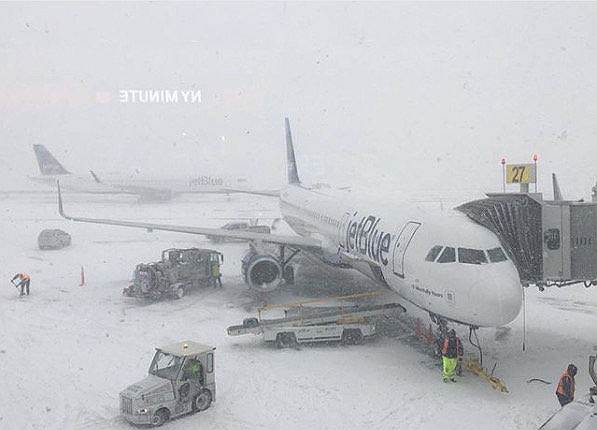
[501, 294]
[507, 292]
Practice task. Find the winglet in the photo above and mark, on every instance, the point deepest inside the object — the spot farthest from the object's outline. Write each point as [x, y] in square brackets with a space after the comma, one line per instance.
[557, 193]
[293, 177]
[95, 177]
[60, 206]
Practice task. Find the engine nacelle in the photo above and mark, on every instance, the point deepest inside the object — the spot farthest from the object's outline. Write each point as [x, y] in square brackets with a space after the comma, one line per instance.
[262, 272]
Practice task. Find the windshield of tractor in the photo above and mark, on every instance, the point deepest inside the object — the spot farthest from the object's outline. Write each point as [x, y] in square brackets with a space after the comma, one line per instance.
[143, 276]
[174, 257]
[165, 365]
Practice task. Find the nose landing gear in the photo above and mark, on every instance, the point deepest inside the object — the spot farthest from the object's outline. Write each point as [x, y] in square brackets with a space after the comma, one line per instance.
[472, 330]
[442, 325]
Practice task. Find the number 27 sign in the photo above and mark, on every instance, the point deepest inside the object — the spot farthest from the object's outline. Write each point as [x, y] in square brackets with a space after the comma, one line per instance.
[520, 174]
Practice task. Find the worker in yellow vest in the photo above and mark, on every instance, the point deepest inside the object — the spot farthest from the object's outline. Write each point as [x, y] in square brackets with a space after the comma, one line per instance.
[216, 274]
[24, 281]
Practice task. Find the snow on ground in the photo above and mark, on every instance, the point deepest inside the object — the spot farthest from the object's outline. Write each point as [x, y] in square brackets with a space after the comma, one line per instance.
[66, 351]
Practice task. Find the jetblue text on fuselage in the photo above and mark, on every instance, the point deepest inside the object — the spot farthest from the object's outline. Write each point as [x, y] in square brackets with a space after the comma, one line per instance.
[206, 180]
[364, 237]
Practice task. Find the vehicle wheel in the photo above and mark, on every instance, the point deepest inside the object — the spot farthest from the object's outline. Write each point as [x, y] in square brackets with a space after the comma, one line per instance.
[279, 341]
[159, 418]
[352, 337]
[202, 401]
[285, 340]
[179, 292]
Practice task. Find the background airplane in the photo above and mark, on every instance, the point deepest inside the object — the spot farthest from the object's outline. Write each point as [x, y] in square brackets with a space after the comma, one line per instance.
[149, 189]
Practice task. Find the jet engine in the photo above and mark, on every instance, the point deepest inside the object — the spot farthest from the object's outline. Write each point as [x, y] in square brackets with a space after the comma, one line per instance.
[262, 272]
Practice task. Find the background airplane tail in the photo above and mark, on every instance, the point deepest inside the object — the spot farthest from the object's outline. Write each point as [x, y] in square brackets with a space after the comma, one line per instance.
[48, 165]
[293, 177]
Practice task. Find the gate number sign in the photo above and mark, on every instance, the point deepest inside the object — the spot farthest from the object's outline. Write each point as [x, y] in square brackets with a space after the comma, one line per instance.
[520, 173]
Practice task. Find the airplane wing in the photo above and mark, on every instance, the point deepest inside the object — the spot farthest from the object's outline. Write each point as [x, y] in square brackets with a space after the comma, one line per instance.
[267, 193]
[295, 241]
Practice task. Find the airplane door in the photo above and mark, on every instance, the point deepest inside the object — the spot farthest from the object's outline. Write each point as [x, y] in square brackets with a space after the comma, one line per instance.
[402, 242]
[342, 230]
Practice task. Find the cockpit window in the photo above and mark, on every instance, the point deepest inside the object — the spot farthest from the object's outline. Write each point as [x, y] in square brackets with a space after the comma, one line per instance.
[448, 256]
[433, 253]
[496, 255]
[471, 256]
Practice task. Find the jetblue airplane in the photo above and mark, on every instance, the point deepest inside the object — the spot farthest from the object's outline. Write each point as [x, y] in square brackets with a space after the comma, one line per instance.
[442, 263]
[146, 188]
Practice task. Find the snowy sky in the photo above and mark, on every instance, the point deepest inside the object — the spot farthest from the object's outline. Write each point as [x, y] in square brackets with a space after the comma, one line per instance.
[396, 96]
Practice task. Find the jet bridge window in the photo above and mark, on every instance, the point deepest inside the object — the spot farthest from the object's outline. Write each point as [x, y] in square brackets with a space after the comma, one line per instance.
[471, 256]
[448, 255]
[496, 255]
[433, 253]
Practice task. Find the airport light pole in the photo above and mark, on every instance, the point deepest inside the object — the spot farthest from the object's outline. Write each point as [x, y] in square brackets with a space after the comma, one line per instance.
[503, 174]
[535, 158]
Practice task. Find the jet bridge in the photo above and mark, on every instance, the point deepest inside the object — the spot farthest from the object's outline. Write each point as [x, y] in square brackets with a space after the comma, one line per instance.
[552, 242]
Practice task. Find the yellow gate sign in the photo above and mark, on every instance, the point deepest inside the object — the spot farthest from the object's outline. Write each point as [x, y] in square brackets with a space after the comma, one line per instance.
[520, 173]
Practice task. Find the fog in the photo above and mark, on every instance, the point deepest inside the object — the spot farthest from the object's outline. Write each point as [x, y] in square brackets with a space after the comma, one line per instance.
[419, 97]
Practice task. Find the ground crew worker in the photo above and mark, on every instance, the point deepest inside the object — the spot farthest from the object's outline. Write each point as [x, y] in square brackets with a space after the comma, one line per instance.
[215, 273]
[24, 281]
[565, 390]
[193, 370]
[451, 350]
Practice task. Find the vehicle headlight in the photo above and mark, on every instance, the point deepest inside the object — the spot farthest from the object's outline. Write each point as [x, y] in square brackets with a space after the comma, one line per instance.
[141, 411]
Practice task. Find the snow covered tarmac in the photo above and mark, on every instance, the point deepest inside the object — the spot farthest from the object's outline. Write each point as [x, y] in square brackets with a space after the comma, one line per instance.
[66, 351]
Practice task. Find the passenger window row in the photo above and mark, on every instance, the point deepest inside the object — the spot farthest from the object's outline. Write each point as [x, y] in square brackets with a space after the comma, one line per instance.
[447, 254]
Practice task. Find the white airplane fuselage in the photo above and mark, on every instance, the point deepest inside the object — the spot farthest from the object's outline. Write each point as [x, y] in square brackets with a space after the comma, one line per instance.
[140, 186]
[191, 184]
[389, 242]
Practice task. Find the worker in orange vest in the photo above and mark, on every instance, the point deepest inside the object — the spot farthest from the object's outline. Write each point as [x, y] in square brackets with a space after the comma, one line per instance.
[451, 350]
[24, 281]
[565, 390]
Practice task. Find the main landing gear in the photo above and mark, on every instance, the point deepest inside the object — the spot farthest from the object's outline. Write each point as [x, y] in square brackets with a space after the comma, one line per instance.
[287, 269]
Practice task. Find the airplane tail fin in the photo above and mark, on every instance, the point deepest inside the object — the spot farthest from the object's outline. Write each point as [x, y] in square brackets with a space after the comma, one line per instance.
[48, 165]
[293, 177]
[557, 193]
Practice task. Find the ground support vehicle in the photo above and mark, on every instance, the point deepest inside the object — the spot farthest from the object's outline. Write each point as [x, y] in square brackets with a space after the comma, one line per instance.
[53, 239]
[179, 271]
[347, 324]
[240, 226]
[181, 380]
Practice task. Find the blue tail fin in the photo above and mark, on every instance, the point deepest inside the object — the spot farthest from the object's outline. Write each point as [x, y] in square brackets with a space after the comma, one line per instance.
[293, 177]
[48, 165]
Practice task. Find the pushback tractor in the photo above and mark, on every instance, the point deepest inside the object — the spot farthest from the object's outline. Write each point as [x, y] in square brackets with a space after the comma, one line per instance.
[181, 381]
